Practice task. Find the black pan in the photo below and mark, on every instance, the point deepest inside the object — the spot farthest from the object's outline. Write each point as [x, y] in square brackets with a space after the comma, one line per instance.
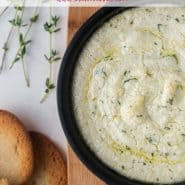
[65, 105]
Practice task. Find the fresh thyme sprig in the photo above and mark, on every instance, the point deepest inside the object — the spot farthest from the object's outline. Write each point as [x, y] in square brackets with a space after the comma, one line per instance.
[51, 27]
[18, 20]
[15, 22]
[23, 43]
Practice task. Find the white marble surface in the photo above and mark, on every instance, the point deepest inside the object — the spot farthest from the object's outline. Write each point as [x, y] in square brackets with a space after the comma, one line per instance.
[23, 101]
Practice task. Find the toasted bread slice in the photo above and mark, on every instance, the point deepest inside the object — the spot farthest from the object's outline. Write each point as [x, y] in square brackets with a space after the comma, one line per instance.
[16, 156]
[4, 182]
[50, 167]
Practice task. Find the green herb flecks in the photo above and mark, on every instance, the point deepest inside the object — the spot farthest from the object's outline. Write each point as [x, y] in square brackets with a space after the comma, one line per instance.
[126, 72]
[123, 167]
[169, 53]
[170, 101]
[149, 139]
[127, 148]
[148, 10]
[167, 128]
[131, 22]
[166, 154]
[177, 20]
[159, 27]
[139, 116]
[131, 79]
[51, 27]
[148, 73]
[169, 144]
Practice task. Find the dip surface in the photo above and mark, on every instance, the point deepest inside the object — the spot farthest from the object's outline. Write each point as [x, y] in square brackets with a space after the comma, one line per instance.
[129, 94]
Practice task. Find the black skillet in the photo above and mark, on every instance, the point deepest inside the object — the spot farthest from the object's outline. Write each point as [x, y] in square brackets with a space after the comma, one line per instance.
[65, 105]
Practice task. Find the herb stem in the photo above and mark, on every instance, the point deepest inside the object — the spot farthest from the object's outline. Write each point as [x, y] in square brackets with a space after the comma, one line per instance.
[25, 74]
[31, 24]
[5, 47]
[25, 36]
[22, 14]
[50, 46]
[50, 63]
[51, 28]
[3, 11]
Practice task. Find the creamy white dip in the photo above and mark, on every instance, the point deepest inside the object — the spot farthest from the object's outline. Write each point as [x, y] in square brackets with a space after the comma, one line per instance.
[129, 94]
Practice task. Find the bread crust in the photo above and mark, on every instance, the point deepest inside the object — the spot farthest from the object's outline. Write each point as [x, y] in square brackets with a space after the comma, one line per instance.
[16, 155]
[4, 182]
[50, 167]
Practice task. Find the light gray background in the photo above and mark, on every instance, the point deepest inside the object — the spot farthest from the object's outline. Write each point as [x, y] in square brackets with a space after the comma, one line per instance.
[14, 95]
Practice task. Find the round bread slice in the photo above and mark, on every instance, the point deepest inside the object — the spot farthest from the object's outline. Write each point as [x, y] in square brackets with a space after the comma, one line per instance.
[50, 167]
[4, 182]
[16, 156]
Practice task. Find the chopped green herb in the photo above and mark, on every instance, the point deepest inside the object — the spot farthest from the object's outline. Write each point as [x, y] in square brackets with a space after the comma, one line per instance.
[152, 154]
[177, 20]
[169, 144]
[127, 148]
[183, 134]
[131, 79]
[167, 128]
[159, 27]
[124, 131]
[126, 72]
[166, 154]
[105, 74]
[170, 170]
[175, 57]
[149, 139]
[121, 151]
[119, 102]
[131, 22]
[148, 73]
[123, 167]
[170, 101]
[148, 10]
[139, 115]
[102, 101]
[144, 163]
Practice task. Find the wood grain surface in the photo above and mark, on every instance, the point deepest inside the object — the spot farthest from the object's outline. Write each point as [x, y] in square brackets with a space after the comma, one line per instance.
[78, 174]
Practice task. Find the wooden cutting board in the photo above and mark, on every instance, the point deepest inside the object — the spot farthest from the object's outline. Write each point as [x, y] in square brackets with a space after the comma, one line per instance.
[78, 174]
